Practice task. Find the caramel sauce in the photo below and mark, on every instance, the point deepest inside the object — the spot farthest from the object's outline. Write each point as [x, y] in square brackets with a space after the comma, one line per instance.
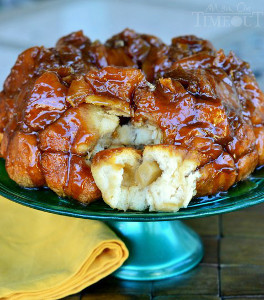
[201, 99]
[28, 170]
[46, 103]
[201, 110]
[68, 133]
[80, 183]
[78, 91]
[115, 82]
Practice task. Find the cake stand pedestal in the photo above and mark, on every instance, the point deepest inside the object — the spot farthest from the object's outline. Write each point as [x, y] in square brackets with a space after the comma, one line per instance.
[157, 250]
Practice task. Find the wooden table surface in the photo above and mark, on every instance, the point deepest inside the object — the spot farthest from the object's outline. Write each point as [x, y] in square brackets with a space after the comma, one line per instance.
[232, 267]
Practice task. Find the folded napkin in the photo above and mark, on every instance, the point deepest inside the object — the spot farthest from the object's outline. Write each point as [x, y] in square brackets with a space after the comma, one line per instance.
[46, 256]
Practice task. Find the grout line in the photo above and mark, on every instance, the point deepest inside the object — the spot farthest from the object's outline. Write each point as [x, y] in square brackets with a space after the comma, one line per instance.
[221, 226]
[239, 237]
[213, 265]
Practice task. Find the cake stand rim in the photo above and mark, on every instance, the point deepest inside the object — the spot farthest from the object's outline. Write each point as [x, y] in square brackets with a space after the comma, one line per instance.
[147, 217]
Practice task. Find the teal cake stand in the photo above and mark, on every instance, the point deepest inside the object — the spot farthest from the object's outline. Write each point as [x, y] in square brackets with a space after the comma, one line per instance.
[158, 250]
[160, 245]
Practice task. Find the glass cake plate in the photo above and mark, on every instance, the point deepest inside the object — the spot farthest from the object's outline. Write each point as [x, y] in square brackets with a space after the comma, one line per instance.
[160, 245]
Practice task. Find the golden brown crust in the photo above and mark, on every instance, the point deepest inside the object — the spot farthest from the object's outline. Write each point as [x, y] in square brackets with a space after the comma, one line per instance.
[78, 130]
[247, 164]
[23, 160]
[3, 112]
[78, 91]
[250, 96]
[66, 103]
[55, 170]
[218, 175]
[109, 154]
[69, 175]
[46, 102]
[68, 132]
[259, 133]
[81, 185]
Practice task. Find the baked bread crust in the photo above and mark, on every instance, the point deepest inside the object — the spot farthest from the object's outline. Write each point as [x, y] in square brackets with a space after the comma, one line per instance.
[64, 109]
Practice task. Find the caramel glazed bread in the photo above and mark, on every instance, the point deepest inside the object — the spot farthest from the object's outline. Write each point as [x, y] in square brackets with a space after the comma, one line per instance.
[143, 124]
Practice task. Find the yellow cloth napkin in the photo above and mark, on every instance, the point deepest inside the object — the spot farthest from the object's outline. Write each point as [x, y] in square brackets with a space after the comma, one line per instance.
[46, 256]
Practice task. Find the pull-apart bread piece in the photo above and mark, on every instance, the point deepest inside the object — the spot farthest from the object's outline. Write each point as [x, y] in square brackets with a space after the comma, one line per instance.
[159, 178]
[47, 138]
[144, 124]
[193, 112]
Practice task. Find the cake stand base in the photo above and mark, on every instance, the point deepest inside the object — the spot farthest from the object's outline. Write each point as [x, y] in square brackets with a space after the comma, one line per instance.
[157, 250]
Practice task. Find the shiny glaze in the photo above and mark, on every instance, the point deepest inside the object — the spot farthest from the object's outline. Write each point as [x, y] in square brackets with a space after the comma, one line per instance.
[190, 44]
[206, 102]
[68, 133]
[259, 133]
[3, 113]
[78, 91]
[115, 82]
[249, 93]
[175, 111]
[81, 185]
[200, 60]
[232, 94]
[174, 107]
[69, 175]
[109, 87]
[38, 98]
[251, 97]
[47, 102]
[73, 51]
[243, 94]
[217, 175]
[192, 109]
[25, 169]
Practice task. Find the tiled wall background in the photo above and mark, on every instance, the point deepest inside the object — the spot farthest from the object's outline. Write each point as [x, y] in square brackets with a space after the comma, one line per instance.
[237, 25]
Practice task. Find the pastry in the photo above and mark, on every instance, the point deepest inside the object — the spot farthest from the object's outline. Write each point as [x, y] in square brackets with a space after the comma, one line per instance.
[142, 124]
